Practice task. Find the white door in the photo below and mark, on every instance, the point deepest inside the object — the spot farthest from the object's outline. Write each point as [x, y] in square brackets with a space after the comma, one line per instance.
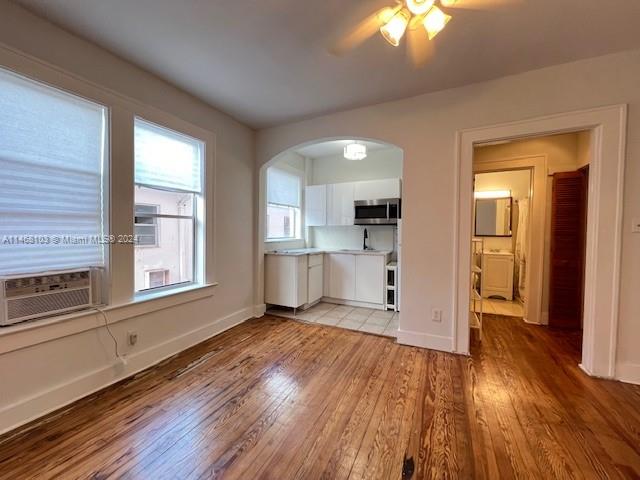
[377, 189]
[315, 205]
[370, 273]
[342, 273]
[315, 283]
[340, 209]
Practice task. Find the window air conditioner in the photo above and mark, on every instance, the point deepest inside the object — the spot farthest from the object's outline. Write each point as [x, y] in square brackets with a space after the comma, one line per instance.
[27, 297]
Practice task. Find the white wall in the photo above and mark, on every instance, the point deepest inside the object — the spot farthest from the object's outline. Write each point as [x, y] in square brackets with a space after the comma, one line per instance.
[425, 128]
[379, 164]
[39, 373]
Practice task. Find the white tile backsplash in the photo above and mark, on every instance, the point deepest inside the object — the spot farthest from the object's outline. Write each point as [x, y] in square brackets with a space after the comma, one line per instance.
[380, 237]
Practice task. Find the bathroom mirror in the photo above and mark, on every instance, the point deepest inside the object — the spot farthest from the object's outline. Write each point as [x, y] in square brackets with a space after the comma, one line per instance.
[493, 217]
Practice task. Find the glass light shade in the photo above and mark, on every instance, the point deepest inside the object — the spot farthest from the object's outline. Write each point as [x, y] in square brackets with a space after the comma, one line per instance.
[394, 29]
[355, 151]
[419, 7]
[435, 21]
[493, 194]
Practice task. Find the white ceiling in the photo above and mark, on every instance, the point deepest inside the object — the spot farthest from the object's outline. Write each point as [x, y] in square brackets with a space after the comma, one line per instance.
[336, 147]
[266, 62]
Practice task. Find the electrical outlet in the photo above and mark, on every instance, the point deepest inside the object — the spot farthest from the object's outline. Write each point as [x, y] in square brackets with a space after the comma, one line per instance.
[133, 338]
[635, 226]
[436, 315]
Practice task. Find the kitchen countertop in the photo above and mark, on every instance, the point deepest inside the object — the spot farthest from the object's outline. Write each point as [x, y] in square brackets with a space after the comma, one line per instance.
[295, 252]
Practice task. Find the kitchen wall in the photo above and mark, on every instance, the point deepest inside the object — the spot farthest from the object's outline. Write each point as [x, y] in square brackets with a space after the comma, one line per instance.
[565, 153]
[425, 127]
[379, 164]
[46, 366]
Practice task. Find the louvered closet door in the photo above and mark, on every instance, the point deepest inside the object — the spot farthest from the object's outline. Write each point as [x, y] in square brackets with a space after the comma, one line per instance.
[568, 232]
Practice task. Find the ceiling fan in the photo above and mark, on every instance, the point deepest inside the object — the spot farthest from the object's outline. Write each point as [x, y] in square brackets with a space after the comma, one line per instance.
[420, 20]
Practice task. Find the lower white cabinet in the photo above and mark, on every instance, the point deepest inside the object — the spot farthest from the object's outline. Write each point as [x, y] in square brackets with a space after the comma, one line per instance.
[342, 276]
[286, 280]
[497, 271]
[356, 277]
[316, 278]
[370, 277]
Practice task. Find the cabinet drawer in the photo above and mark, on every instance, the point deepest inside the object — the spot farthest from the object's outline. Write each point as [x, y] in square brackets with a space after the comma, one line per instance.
[315, 259]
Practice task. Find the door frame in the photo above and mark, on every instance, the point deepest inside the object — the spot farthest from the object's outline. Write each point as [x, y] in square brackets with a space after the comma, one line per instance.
[604, 225]
[537, 166]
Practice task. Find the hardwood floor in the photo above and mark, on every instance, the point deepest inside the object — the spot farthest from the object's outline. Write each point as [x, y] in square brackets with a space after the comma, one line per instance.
[275, 398]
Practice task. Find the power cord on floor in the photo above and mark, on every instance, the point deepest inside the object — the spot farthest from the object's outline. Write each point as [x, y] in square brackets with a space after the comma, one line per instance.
[115, 341]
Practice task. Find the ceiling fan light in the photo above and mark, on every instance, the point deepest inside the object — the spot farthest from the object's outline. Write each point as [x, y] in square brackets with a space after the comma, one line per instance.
[355, 151]
[394, 29]
[419, 7]
[435, 21]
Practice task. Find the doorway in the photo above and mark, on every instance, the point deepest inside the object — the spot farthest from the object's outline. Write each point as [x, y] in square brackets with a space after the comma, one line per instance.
[604, 226]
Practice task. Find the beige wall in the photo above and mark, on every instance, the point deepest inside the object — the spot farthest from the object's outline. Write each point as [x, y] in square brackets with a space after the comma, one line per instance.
[379, 164]
[565, 153]
[425, 128]
[50, 373]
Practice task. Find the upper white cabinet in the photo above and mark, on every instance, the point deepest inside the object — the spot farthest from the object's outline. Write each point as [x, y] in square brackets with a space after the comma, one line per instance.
[316, 205]
[377, 189]
[370, 278]
[340, 198]
[342, 276]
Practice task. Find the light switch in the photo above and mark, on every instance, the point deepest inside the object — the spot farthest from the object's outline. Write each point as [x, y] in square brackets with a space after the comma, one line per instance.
[635, 227]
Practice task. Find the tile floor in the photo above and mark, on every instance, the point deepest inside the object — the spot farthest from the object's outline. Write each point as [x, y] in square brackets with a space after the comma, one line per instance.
[503, 307]
[353, 318]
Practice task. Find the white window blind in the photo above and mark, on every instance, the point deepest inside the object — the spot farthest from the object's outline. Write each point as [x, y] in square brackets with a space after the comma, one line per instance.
[52, 147]
[283, 188]
[166, 159]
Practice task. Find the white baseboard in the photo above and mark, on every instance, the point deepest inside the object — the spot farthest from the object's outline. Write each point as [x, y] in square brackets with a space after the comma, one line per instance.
[260, 310]
[423, 340]
[31, 408]
[628, 373]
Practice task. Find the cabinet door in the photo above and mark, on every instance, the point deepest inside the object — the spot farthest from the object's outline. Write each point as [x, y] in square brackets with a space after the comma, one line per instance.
[342, 271]
[315, 283]
[315, 205]
[340, 209]
[498, 276]
[377, 189]
[370, 277]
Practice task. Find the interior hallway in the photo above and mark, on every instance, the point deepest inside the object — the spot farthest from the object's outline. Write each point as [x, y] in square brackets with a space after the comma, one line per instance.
[277, 398]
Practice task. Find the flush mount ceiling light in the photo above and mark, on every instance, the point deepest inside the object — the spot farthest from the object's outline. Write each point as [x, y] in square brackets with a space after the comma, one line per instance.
[419, 20]
[355, 151]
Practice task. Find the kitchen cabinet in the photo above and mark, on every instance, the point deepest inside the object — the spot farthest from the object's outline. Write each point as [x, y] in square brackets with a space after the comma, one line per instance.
[370, 278]
[342, 276]
[378, 189]
[286, 280]
[340, 198]
[497, 270]
[316, 278]
[315, 205]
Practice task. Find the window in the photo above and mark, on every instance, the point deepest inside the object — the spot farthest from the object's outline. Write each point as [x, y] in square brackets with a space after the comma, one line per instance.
[146, 231]
[283, 205]
[168, 199]
[52, 155]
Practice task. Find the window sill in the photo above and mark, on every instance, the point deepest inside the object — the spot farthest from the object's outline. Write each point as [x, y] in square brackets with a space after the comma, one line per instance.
[26, 334]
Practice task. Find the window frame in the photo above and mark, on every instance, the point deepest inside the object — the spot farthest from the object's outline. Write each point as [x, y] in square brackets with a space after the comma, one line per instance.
[198, 216]
[299, 226]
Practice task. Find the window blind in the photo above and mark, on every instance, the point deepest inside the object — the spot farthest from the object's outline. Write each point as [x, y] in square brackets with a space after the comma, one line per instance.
[52, 148]
[167, 159]
[283, 188]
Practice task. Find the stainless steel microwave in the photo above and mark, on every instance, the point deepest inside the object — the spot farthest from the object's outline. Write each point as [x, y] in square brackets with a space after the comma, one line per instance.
[385, 211]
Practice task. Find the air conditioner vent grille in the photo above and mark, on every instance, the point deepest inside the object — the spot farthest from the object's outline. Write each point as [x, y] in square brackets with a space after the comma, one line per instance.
[41, 304]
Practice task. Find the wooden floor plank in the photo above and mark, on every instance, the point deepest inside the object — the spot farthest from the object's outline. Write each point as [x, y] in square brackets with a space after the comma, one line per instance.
[276, 398]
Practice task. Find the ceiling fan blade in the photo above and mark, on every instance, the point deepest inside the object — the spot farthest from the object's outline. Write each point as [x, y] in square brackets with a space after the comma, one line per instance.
[419, 48]
[363, 30]
[479, 4]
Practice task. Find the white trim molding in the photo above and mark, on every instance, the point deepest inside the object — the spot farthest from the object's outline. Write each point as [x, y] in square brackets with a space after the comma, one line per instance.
[425, 340]
[604, 224]
[628, 372]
